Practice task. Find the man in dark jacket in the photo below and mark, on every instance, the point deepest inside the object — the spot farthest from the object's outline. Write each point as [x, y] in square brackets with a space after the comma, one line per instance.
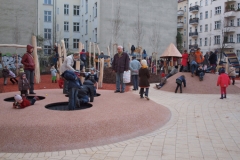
[119, 65]
[29, 67]
[213, 61]
[179, 82]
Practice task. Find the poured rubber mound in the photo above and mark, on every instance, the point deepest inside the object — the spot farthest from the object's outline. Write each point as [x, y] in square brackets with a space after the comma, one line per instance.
[114, 117]
[194, 86]
[11, 99]
[63, 106]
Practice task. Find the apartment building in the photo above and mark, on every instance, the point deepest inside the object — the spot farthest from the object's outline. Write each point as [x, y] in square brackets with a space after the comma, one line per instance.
[182, 24]
[213, 23]
[92, 21]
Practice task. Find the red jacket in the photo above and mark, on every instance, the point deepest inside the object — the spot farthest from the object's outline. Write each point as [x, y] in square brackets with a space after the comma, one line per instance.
[184, 59]
[27, 59]
[25, 103]
[223, 80]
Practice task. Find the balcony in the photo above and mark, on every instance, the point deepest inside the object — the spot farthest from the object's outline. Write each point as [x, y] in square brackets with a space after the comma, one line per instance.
[179, 1]
[194, 8]
[195, 46]
[193, 34]
[229, 29]
[180, 25]
[230, 13]
[229, 45]
[194, 21]
[229, 1]
[180, 13]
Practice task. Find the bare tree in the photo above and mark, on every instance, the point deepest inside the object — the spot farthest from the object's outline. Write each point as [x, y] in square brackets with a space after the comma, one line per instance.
[155, 38]
[138, 31]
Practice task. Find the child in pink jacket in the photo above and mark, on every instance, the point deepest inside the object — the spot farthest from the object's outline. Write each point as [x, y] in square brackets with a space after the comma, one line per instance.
[223, 81]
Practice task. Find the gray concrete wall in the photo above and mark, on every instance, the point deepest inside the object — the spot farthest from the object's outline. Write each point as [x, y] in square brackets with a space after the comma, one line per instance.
[161, 12]
[26, 13]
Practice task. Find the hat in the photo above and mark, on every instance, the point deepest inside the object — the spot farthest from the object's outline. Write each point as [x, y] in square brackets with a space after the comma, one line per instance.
[222, 70]
[144, 62]
[17, 97]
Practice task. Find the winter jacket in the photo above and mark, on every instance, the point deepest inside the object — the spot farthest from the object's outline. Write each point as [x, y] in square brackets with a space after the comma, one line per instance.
[87, 90]
[174, 71]
[144, 75]
[67, 64]
[92, 77]
[213, 58]
[27, 59]
[223, 80]
[199, 57]
[184, 59]
[206, 57]
[134, 67]
[23, 84]
[120, 63]
[5, 73]
[192, 57]
[232, 72]
[182, 80]
[83, 56]
[198, 71]
[25, 103]
[73, 80]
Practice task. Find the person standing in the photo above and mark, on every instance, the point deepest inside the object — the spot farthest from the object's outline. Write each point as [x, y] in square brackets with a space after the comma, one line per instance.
[206, 62]
[185, 60]
[29, 67]
[213, 61]
[119, 65]
[144, 75]
[134, 67]
[232, 73]
[199, 56]
[83, 58]
[192, 62]
[223, 81]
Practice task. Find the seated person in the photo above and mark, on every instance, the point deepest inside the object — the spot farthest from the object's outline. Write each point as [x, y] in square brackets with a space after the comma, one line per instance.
[173, 71]
[22, 102]
[200, 72]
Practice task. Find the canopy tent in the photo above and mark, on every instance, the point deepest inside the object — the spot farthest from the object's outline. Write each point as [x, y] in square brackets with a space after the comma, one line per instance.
[171, 51]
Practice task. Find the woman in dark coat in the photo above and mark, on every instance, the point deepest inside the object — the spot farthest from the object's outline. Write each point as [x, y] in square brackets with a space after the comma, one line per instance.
[144, 75]
[213, 61]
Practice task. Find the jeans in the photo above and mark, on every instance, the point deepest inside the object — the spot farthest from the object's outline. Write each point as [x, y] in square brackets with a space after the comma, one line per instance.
[168, 75]
[135, 82]
[65, 87]
[193, 68]
[30, 78]
[119, 81]
[142, 91]
[201, 74]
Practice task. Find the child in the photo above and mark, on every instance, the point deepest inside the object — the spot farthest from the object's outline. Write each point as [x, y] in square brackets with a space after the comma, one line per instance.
[162, 83]
[200, 72]
[5, 73]
[22, 102]
[12, 76]
[223, 81]
[92, 77]
[23, 84]
[54, 74]
[21, 70]
[144, 75]
[179, 82]
[232, 73]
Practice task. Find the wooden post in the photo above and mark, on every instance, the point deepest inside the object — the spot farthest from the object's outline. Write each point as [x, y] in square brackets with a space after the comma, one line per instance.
[89, 55]
[37, 68]
[94, 54]
[101, 70]
[227, 64]
[80, 47]
[108, 50]
[60, 60]
[64, 53]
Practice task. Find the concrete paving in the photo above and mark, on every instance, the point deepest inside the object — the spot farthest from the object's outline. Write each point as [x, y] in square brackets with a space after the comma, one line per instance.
[201, 127]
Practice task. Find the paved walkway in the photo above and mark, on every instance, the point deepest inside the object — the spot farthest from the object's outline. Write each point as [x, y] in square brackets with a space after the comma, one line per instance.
[201, 127]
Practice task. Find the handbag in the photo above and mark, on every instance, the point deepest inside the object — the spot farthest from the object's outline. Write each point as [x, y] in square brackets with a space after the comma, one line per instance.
[127, 76]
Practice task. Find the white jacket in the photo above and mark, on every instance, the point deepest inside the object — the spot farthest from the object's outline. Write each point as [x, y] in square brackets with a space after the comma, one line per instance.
[11, 74]
[67, 64]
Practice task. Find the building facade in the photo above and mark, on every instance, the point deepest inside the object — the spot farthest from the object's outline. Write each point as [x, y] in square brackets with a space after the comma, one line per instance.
[214, 24]
[182, 25]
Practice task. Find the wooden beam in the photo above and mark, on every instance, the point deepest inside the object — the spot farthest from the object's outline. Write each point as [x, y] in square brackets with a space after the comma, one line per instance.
[17, 46]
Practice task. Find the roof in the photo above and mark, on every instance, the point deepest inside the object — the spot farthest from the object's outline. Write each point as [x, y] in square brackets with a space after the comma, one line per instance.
[171, 51]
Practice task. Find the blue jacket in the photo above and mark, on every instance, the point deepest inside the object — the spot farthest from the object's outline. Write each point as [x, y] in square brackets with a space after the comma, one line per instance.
[182, 79]
[134, 67]
[73, 80]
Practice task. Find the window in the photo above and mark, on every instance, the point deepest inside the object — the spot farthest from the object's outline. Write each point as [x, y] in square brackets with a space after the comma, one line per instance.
[238, 54]
[210, 41]
[184, 44]
[95, 15]
[206, 28]
[66, 28]
[86, 26]
[76, 10]
[206, 15]
[218, 10]
[238, 38]
[200, 16]
[185, 20]
[47, 50]
[195, 42]
[211, 14]
[200, 28]
[47, 2]
[231, 22]
[47, 16]
[190, 42]
[200, 42]
[47, 33]
[185, 9]
[86, 6]
[201, 3]
[206, 2]
[238, 22]
[66, 9]
[190, 16]
[216, 39]
[66, 41]
[231, 38]
[184, 32]
[238, 5]
[75, 43]
[205, 42]
[190, 29]
[75, 27]
[86, 45]
[217, 24]
[95, 35]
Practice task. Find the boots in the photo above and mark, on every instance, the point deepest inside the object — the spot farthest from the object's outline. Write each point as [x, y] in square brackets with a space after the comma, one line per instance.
[52, 81]
[221, 96]
[55, 81]
[225, 96]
